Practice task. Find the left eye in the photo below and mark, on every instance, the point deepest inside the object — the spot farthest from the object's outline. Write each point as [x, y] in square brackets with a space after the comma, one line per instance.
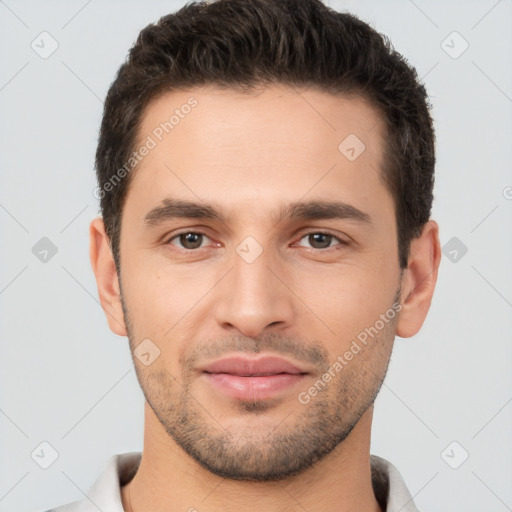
[189, 239]
[321, 240]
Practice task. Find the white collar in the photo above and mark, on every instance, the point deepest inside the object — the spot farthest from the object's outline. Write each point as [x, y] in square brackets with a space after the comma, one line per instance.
[105, 493]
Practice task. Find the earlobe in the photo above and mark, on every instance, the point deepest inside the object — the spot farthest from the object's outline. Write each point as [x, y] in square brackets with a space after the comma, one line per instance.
[104, 268]
[419, 280]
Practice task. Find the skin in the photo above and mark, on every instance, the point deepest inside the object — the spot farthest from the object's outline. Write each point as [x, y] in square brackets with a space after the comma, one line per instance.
[300, 299]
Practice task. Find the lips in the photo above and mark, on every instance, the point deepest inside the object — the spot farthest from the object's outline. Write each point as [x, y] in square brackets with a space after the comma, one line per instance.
[244, 367]
[242, 378]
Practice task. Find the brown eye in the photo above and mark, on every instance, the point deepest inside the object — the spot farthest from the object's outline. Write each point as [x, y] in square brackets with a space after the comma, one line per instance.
[319, 240]
[189, 240]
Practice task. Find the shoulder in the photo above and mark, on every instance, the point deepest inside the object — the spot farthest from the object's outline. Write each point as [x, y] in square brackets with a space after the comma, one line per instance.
[105, 493]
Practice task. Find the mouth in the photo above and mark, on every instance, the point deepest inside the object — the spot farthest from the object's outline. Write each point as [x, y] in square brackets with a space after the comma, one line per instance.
[243, 378]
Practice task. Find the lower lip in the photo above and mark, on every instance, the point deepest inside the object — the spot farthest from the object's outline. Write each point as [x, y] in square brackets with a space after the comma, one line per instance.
[253, 388]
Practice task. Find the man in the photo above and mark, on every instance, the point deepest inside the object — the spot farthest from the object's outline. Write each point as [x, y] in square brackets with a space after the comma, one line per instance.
[265, 173]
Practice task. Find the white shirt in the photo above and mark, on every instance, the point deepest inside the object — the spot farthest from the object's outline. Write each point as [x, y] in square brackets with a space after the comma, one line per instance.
[105, 493]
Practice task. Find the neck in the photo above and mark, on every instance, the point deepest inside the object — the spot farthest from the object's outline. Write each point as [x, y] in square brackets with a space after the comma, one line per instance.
[169, 479]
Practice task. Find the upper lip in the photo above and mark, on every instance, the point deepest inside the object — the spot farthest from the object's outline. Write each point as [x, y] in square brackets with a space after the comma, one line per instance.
[243, 366]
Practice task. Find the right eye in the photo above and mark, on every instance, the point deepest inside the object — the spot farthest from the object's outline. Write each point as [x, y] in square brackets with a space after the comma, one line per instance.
[189, 240]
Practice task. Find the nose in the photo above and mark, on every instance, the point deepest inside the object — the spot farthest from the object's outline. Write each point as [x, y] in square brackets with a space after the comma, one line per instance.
[254, 296]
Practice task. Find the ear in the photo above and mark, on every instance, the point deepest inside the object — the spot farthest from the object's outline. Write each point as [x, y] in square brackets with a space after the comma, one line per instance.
[104, 268]
[419, 280]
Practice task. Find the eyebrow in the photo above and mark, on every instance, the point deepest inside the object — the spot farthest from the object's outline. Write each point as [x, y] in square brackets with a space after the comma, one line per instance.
[171, 209]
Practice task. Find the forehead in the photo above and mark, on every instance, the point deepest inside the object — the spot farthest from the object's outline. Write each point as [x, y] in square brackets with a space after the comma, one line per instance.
[212, 139]
[313, 114]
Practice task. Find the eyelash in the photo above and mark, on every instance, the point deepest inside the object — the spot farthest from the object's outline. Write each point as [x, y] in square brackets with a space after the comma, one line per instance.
[303, 235]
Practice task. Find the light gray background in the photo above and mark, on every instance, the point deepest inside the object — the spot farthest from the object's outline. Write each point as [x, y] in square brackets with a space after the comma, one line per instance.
[67, 380]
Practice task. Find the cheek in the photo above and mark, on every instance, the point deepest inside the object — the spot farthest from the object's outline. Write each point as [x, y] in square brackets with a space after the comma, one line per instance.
[161, 297]
[344, 301]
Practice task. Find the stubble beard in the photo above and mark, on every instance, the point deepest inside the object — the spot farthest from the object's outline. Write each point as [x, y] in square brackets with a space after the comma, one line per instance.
[272, 451]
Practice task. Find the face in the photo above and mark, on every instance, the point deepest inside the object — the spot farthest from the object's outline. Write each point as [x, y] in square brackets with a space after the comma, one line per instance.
[259, 262]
